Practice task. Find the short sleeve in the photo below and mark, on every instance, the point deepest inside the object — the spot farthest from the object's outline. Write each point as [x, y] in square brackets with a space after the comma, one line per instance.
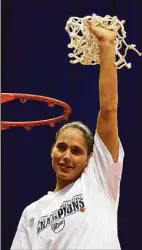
[21, 240]
[108, 173]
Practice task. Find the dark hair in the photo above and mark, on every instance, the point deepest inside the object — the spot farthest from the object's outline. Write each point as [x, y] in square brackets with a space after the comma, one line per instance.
[86, 131]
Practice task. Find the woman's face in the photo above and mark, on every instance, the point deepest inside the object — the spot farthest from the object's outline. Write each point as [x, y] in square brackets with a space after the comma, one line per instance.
[69, 154]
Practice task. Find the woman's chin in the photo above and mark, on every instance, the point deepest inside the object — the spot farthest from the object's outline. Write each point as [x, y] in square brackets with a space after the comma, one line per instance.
[65, 176]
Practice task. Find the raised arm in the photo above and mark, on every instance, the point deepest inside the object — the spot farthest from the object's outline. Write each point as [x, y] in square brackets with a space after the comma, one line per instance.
[107, 124]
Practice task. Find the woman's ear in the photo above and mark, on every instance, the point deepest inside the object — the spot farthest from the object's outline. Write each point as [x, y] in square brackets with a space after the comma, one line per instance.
[52, 149]
[89, 156]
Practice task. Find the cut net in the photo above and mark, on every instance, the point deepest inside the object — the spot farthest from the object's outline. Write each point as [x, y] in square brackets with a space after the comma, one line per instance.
[85, 44]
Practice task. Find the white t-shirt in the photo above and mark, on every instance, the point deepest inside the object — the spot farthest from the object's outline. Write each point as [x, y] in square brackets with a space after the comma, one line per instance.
[83, 215]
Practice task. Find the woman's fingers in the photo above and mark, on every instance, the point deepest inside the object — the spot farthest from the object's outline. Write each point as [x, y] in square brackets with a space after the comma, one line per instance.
[119, 26]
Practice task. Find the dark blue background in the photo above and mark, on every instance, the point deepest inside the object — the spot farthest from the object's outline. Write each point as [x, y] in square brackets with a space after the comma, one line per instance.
[35, 61]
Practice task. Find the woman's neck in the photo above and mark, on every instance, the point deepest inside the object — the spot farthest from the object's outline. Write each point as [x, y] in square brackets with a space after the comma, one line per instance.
[62, 184]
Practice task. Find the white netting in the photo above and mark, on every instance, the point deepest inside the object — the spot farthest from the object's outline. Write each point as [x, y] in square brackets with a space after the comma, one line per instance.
[85, 45]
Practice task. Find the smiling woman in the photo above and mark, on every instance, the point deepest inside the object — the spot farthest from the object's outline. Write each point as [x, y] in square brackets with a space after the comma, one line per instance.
[71, 153]
[81, 213]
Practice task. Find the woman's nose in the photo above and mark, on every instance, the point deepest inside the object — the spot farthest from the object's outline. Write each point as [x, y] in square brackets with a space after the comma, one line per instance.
[67, 155]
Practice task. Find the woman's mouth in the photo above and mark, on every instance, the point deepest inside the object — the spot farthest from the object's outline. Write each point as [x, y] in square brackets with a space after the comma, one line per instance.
[65, 168]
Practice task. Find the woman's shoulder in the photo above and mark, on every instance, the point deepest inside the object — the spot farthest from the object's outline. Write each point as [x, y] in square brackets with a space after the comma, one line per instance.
[34, 207]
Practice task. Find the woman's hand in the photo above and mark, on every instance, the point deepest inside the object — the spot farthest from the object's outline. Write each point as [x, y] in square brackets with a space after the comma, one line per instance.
[104, 34]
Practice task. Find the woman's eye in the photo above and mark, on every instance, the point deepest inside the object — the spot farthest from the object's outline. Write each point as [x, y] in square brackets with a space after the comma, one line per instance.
[76, 151]
[61, 148]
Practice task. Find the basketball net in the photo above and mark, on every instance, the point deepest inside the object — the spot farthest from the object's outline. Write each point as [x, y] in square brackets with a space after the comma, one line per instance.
[85, 44]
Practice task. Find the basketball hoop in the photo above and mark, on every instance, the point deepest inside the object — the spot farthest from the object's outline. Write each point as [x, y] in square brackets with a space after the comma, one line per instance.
[7, 97]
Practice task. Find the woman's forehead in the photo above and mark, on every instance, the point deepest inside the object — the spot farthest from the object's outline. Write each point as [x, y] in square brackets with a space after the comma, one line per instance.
[72, 135]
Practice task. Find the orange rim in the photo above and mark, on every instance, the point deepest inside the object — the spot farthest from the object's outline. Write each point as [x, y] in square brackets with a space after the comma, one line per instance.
[7, 97]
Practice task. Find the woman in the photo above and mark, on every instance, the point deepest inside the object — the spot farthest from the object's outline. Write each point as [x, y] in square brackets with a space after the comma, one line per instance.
[81, 213]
